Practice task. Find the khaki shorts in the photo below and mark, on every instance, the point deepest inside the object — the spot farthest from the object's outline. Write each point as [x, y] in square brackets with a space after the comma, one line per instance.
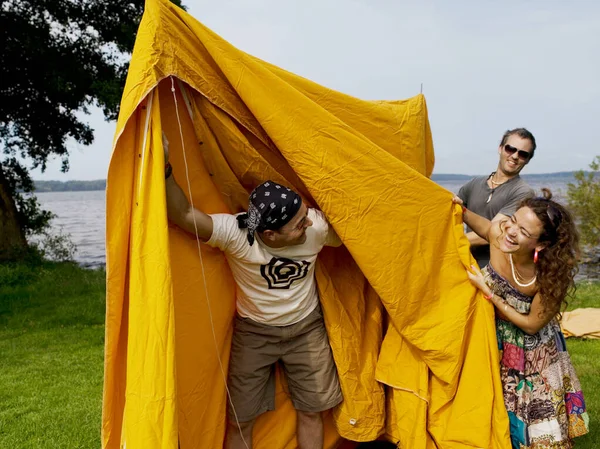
[304, 352]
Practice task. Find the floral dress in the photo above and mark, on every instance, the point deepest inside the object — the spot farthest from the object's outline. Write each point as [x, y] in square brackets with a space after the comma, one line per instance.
[542, 393]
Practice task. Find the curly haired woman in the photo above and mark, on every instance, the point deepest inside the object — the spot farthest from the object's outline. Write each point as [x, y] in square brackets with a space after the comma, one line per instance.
[533, 261]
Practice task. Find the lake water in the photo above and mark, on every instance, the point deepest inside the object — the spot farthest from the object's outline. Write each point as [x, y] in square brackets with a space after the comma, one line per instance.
[83, 215]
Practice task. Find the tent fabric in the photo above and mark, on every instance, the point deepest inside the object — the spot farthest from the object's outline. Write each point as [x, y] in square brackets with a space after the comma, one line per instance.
[582, 323]
[414, 344]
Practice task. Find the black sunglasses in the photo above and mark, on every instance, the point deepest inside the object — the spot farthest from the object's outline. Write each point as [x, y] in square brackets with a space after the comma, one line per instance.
[525, 155]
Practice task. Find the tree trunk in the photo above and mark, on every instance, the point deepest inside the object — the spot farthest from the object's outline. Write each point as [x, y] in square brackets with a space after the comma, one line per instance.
[12, 239]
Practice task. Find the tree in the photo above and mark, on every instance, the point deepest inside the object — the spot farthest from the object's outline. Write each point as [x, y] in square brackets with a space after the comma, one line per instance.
[57, 57]
[584, 201]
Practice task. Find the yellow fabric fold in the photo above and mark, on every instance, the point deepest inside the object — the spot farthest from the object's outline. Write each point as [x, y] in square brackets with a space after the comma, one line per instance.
[583, 323]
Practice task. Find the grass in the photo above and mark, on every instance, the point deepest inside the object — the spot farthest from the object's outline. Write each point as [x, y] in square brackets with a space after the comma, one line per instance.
[51, 367]
[585, 355]
[51, 357]
[586, 295]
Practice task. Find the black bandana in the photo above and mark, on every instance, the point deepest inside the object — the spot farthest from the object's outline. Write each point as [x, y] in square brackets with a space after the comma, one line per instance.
[271, 206]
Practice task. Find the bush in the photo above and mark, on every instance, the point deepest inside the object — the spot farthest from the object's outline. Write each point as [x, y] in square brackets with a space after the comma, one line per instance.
[584, 202]
[12, 275]
[55, 246]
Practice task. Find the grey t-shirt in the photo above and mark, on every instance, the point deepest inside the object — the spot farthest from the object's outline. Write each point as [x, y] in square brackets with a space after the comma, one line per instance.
[505, 200]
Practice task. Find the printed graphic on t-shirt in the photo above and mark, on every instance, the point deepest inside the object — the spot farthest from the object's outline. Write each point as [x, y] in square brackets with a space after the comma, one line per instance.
[281, 273]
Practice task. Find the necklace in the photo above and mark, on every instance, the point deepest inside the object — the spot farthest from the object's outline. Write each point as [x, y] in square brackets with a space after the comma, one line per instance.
[515, 272]
[494, 182]
[496, 185]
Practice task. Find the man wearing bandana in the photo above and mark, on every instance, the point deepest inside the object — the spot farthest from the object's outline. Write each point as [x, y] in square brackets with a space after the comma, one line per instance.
[271, 251]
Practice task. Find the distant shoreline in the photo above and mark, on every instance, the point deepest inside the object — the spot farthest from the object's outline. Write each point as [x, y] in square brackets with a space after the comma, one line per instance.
[566, 175]
[69, 186]
[100, 184]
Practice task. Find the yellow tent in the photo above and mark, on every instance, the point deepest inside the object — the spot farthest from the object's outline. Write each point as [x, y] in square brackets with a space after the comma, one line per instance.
[414, 346]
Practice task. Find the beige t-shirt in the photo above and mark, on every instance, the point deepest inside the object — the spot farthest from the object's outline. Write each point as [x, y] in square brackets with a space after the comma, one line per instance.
[275, 286]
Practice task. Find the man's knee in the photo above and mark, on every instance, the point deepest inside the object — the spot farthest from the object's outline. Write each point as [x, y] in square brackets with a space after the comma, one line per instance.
[245, 427]
[308, 416]
[239, 435]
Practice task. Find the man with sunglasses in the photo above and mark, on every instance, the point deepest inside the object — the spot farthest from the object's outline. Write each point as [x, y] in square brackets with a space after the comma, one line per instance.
[498, 195]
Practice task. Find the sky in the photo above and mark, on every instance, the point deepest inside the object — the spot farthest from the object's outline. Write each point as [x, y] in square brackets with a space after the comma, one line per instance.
[486, 66]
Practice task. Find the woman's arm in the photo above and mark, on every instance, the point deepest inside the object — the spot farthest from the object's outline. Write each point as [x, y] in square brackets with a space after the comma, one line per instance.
[531, 323]
[480, 225]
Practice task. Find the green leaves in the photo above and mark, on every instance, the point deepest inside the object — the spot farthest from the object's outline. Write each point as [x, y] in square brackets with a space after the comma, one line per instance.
[584, 201]
[57, 58]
